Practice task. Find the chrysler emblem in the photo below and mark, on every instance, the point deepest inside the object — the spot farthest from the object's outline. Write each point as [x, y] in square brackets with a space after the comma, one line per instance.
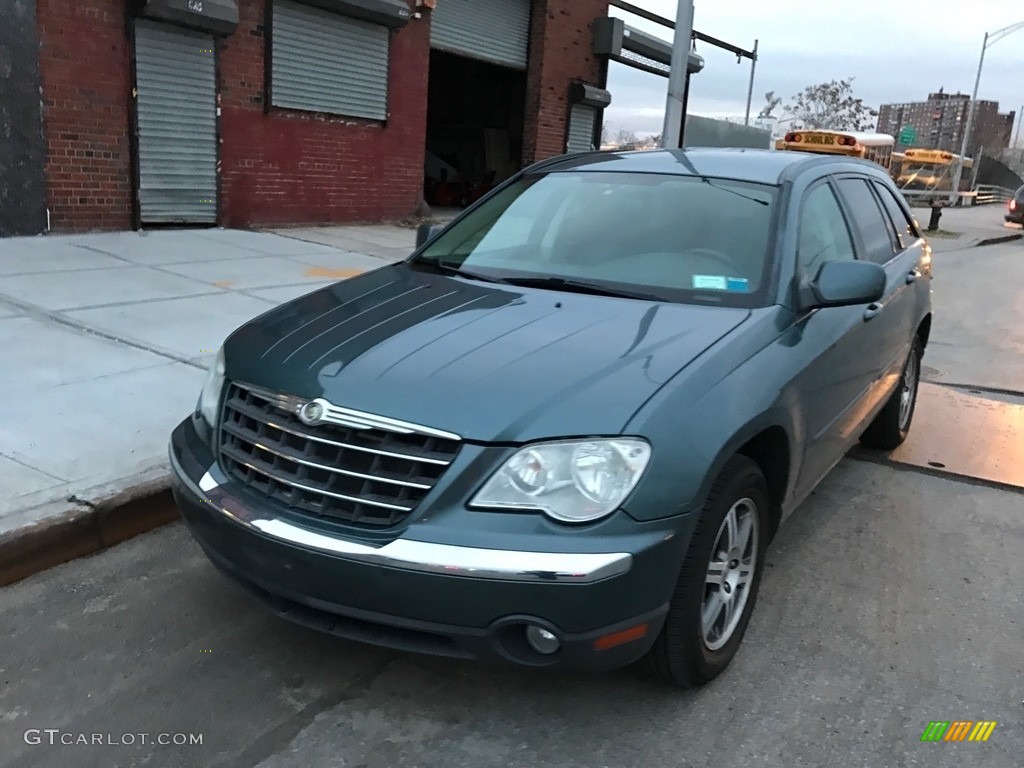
[311, 412]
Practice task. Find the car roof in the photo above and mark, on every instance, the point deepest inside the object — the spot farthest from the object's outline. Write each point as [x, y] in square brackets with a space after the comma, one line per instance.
[764, 166]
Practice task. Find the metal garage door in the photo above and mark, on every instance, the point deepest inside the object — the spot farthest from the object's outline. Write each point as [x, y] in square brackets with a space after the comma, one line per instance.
[177, 123]
[581, 128]
[497, 31]
[326, 62]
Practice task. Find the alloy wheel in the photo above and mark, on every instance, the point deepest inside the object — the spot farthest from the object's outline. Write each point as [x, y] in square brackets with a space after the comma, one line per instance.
[908, 390]
[729, 574]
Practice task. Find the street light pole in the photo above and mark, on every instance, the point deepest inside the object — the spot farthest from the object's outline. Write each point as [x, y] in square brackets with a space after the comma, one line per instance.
[954, 193]
[972, 106]
[675, 108]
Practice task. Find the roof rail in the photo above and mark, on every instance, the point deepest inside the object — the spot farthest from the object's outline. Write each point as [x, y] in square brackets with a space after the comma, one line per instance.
[541, 164]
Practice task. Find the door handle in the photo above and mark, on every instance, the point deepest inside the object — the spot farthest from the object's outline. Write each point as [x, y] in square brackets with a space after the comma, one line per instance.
[912, 276]
[873, 310]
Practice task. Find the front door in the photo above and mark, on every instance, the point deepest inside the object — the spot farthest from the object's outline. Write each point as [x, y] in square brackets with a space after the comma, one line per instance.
[836, 342]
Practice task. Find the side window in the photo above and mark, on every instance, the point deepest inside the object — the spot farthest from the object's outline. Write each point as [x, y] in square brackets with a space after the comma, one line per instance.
[875, 230]
[823, 233]
[906, 232]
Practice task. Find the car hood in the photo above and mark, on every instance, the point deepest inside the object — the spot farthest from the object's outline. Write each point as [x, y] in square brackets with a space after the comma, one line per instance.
[490, 362]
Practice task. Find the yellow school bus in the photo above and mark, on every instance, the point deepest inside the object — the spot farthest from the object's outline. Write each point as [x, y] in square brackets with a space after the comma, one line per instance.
[932, 170]
[876, 147]
[897, 164]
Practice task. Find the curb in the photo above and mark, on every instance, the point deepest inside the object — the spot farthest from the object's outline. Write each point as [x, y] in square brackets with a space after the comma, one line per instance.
[1000, 239]
[86, 529]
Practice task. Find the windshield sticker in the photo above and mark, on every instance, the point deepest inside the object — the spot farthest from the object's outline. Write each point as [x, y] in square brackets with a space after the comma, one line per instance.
[739, 284]
[710, 282]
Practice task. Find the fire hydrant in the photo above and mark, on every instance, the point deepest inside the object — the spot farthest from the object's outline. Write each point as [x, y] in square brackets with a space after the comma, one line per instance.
[933, 222]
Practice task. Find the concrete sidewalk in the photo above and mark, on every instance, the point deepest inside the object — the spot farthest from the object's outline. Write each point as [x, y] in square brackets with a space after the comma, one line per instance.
[978, 225]
[106, 338]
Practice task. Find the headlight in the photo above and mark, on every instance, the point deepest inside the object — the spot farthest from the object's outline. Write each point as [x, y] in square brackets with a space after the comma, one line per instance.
[573, 481]
[209, 398]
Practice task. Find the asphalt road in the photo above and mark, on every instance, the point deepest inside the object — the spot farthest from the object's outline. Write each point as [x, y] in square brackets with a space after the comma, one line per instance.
[978, 334]
[891, 599]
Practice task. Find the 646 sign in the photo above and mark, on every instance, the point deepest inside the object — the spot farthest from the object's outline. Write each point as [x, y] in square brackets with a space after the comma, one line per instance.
[196, 6]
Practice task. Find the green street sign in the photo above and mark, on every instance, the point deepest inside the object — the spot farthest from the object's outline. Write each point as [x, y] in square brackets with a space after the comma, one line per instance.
[908, 135]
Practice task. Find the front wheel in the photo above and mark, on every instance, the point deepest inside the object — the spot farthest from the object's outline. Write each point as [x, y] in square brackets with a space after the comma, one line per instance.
[892, 424]
[717, 587]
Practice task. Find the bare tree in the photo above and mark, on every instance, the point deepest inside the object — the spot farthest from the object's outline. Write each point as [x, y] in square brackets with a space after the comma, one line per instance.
[831, 106]
[625, 138]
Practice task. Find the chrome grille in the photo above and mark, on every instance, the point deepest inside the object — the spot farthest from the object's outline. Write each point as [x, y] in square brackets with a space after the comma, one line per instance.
[370, 477]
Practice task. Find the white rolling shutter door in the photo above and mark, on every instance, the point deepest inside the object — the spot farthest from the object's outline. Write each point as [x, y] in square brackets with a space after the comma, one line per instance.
[496, 31]
[177, 124]
[328, 62]
[581, 128]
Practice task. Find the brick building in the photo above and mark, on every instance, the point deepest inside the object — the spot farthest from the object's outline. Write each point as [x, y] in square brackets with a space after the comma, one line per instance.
[939, 122]
[264, 112]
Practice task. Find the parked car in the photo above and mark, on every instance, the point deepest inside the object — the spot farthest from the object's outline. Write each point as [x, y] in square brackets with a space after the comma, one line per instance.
[563, 432]
[1015, 208]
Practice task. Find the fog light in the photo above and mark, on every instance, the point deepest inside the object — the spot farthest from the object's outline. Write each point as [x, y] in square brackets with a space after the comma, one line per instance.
[541, 640]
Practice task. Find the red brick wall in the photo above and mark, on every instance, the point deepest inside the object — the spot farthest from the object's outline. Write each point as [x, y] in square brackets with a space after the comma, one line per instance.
[84, 64]
[286, 166]
[560, 52]
[297, 167]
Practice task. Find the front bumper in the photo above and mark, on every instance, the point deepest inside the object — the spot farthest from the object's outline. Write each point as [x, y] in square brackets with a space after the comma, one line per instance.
[471, 600]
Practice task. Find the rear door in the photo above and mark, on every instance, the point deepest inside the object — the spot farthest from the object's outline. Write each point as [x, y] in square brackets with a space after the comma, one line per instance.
[911, 254]
[872, 209]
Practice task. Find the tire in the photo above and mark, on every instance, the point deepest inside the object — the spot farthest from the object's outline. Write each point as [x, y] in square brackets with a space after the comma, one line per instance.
[892, 424]
[686, 653]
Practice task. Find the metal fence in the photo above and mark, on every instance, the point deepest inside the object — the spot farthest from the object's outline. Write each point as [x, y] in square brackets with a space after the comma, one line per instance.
[983, 194]
[707, 132]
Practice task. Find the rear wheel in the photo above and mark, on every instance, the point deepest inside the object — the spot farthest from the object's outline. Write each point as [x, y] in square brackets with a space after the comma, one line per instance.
[892, 424]
[717, 587]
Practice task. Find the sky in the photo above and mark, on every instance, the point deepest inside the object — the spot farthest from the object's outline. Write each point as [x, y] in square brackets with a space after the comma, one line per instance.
[896, 51]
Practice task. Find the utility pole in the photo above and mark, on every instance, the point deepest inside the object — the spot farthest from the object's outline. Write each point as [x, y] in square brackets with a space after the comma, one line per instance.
[1020, 119]
[750, 88]
[675, 107]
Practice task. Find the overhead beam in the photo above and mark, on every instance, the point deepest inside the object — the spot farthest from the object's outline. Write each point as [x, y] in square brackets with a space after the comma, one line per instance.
[645, 14]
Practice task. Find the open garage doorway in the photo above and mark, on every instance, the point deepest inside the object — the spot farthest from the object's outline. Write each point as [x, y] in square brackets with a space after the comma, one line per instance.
[474, 128]
[476, 98]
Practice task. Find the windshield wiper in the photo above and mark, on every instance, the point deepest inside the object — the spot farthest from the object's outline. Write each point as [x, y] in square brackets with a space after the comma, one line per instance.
[575, 286]
[710, 183]
[450, 269]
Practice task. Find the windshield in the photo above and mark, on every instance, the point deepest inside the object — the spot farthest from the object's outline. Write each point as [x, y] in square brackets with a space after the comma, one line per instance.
[674, 238]
[921, 173]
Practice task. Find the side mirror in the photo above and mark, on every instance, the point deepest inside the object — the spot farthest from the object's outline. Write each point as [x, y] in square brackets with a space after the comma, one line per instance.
[845, 283]
[427, 232]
